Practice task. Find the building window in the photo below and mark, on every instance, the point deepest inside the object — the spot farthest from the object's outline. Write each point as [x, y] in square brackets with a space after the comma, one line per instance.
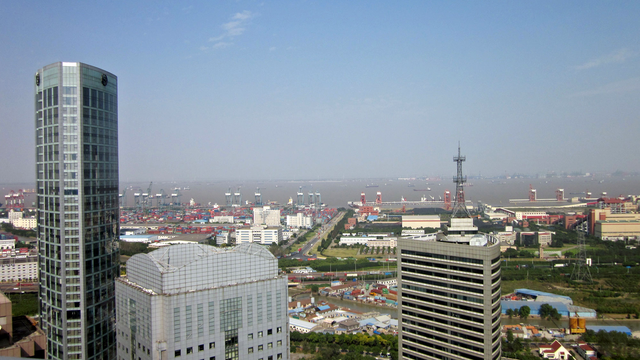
[279, 343]
[189, 350]
[201, 347]
[251, 350]
[270, 357]
[250, 336]
[279, 357]
[212, 358]
[270, 345]
[279, 329]
[259, 347]
[259, 334]
[270, 332]
[212, 345]
[177, 353]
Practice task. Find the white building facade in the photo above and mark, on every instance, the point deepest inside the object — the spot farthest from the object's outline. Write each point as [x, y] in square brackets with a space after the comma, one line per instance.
[266, 216]
[259, 234]
[202, 302]
[19, 268]
[299, 220]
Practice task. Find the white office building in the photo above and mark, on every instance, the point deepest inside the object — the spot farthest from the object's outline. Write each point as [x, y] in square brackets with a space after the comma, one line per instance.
[260, 234]
[299, 220]
[266, 216]
[202, 302]
[19, 268]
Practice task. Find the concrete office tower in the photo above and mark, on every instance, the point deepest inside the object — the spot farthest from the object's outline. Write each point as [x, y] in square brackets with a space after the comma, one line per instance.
[201, 302]
[76, 116]
[449, 294]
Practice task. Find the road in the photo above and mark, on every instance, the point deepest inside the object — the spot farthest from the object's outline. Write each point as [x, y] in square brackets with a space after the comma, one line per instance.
[13, 288]
[323, 231]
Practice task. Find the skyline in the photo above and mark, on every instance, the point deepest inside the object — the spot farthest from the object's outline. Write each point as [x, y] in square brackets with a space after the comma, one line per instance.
[309, 90]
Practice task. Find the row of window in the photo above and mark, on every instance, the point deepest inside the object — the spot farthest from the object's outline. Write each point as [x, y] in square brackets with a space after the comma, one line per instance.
[444, 257]
[261, 347]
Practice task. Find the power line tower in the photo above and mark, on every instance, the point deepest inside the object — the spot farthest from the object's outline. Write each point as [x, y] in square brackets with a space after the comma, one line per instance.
[459, 206]
[580, 269]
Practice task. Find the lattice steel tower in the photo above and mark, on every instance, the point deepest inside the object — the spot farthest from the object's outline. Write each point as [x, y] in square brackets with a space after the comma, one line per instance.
[580, 269]
[459, 207]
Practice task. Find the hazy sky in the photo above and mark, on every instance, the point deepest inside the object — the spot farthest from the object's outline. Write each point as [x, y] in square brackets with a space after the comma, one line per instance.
[332, 89]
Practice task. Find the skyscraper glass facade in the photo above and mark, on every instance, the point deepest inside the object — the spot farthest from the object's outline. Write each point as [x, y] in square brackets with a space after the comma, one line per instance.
[76, 114]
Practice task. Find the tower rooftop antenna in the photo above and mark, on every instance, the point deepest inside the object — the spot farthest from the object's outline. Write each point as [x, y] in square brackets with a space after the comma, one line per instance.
[459, 206]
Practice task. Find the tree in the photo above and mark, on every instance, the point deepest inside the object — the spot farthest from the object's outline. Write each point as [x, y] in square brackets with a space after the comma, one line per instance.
[524, 312]
[510, 313]
[509, 336]
[545, 310]
[315, 288]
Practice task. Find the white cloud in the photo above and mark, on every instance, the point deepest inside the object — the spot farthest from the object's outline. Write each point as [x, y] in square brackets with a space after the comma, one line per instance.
[618, 56]
[617, 87]
[236, 27]
[221, 45]
[203, 48]
[243, 15]
[273, 48]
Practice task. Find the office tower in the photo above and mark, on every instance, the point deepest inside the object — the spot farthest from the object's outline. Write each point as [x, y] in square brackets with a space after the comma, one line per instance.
[197, 301]
[449, 290]
[449, 295]
[76, 113]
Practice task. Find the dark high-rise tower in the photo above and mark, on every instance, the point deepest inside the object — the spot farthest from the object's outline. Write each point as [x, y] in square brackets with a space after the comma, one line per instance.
[459, 206]
[76, 114]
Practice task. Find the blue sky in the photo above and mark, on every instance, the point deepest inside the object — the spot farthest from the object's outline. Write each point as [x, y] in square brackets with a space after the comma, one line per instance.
[315, 89]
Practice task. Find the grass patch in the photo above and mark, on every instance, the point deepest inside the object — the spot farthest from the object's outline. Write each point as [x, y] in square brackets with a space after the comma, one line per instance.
[346, 253]
[24, 304]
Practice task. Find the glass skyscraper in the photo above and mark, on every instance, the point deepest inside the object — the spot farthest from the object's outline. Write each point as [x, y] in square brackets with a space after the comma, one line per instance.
[76, 114]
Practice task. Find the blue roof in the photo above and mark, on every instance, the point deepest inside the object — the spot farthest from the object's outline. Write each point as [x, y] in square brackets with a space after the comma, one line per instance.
[324, 307]
[622, 329]
[539, 293]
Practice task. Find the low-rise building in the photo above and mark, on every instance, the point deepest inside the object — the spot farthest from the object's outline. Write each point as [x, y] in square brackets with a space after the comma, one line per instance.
[554, 351]
[299, 220]
[259, 234]
[421, 221]
[586, 351]
[19, 267]
[222, 220]
[301, 325]
[20, 337]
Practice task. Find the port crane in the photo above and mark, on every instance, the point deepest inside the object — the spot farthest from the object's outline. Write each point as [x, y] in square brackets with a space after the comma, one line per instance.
[258, 197]
[160, 198]
[123, 198]
[147, 197]
[175, 198]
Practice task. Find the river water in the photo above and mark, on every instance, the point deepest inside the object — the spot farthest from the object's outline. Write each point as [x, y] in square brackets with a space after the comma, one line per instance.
[336, 193]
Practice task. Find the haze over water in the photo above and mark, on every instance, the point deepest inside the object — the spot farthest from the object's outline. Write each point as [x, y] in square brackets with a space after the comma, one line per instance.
[337, 193]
